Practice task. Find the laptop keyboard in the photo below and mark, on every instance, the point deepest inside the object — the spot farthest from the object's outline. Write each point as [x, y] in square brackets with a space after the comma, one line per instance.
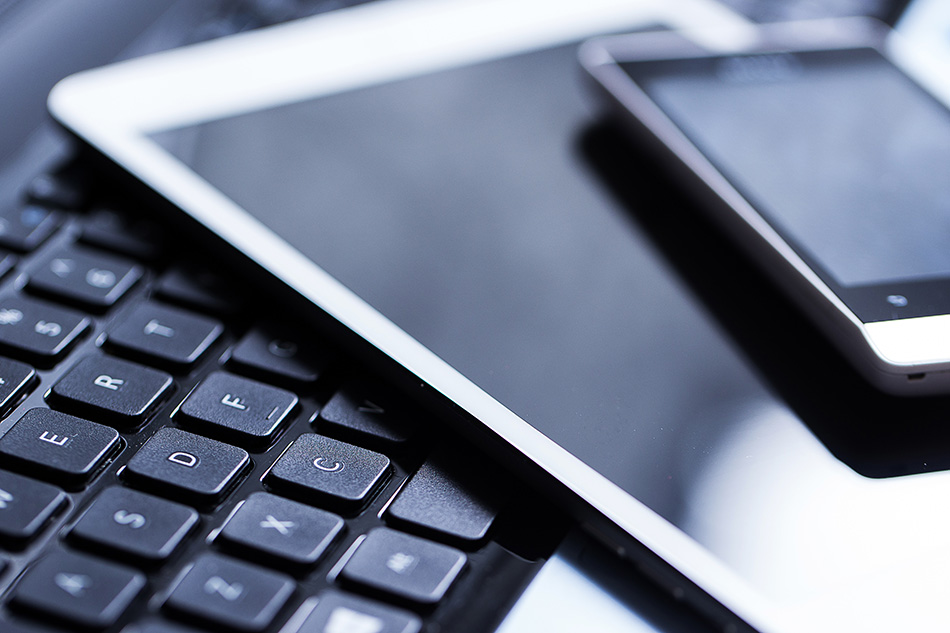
[175, 458]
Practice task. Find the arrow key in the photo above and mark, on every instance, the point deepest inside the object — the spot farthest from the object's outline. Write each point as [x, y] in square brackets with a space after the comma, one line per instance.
[78, 590]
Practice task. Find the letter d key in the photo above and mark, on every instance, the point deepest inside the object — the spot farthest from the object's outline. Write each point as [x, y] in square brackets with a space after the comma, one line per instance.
[185, 459]
[187, 467]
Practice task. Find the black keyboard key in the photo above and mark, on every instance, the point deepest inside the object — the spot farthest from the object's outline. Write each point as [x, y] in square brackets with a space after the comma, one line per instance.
[337, 611]
[338, 474]
[404, 566]
[20, 627]
[7, 263]
[23, 228]
[135, 237]
[111, 389]
[15, 380]
[36, 331]
[77, 589]
[186, 467]
[26, 506]
[277, 530]
[449, 497]
[237, 409]
[165, 335]
[231, 594]
[60, 447]
[156, 626]
[56, 190]
[200, 289]
[133, 525]
[89, 279]
[361, 412]
[266, 354]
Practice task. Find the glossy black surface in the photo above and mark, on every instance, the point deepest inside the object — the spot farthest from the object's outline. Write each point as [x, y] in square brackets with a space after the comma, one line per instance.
[557, 267]
[839, 151]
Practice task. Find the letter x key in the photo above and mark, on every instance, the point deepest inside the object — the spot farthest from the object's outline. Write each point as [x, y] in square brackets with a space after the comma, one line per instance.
[282, 531]
[283, 527]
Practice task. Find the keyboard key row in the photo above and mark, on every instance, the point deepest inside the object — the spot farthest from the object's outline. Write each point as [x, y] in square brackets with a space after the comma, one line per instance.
[216, 590]
[137, 528]
[40, 332]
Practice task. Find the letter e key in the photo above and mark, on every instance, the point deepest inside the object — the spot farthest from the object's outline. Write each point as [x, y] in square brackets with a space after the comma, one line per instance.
[52, 438]
[66, 449]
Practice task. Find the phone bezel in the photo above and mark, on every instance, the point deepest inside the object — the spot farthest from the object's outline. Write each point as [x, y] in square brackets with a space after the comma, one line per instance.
[114, 109]
[905, 356]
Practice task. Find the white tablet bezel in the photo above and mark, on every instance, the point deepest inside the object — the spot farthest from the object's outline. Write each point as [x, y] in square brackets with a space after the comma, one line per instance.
[117, 107]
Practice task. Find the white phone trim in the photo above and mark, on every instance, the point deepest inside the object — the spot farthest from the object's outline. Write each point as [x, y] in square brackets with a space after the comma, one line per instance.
[903, 356]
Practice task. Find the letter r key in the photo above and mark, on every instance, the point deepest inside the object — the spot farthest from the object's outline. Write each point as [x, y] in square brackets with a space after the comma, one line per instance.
[108, 382]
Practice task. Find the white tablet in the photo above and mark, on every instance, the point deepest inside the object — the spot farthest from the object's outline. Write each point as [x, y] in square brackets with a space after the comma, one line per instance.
[417, 170]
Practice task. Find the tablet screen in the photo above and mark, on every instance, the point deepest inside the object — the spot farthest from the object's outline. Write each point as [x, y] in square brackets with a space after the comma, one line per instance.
[459, 205]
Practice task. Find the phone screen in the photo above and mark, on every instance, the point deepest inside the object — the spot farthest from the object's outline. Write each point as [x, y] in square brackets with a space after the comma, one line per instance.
[840, 151]
[460, 206]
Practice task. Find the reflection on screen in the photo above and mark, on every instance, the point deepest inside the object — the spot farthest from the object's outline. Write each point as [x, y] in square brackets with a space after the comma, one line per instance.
[848, 158]
[457, 205]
